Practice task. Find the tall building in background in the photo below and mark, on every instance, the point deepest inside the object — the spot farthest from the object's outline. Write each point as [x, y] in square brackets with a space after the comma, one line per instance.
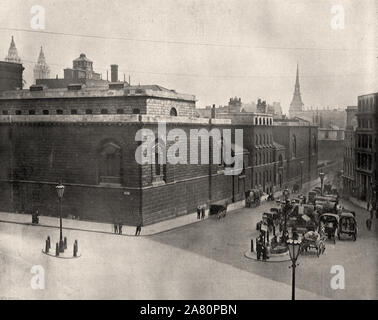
[81, 73]
[296, 104]
[12, 53]
[366, 134]
[11, 70]
[349, 166]
[41, 69]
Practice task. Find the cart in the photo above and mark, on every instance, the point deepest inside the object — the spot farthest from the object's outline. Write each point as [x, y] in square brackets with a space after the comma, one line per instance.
[313, 240]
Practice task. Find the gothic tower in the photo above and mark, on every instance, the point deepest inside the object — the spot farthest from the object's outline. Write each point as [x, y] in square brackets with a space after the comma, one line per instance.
[41, 69]
[12, 53]
[296, 104]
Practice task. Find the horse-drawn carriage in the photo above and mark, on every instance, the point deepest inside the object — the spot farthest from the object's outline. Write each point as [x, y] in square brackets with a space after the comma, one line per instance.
[329, 225]
[347, 225]
[219, 210]
[313, 240]
[270, 219]
[253, 198]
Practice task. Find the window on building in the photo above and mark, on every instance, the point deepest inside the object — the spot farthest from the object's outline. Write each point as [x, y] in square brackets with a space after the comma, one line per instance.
[104, 111]
[294, 146]
[173, 112]
[59, 111]
[5, 112]
[88, 111]
[159, 168]
[32, 111]
[120, 111]
[18, 112]
[110, 163]
[314, 143]
[45, 112]
[73, 111]
[136, 111]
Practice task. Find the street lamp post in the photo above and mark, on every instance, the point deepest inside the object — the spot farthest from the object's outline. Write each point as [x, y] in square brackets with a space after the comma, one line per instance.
[285, 210]
[321, 175]
[294, 250]
[60, 190]
[302, 162]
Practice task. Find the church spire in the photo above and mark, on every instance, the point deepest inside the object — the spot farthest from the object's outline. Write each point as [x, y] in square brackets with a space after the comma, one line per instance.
[12, 53]
[41, 69]
[296, 104]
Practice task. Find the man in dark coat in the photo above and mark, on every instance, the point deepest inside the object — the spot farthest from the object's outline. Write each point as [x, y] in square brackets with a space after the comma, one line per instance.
[198, 212]
[203, 213]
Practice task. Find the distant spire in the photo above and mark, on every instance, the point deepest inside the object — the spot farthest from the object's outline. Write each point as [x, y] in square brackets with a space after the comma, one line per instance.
[41, 69]
[296, 104]
[12, 53]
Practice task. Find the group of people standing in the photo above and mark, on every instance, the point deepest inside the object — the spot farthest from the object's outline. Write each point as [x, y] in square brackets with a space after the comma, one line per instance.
[201, 212]
[118, 228]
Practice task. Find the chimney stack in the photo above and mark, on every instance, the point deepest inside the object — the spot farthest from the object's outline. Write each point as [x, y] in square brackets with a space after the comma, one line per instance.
[114, 73]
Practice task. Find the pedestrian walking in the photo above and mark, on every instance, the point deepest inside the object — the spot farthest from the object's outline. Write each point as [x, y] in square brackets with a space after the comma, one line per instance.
[198, 212]
[138, 229]
[115, 228]
[203, 212]
[120, 228]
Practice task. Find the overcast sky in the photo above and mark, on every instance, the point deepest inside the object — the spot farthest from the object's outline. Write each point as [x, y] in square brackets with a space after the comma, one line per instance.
[213, 49]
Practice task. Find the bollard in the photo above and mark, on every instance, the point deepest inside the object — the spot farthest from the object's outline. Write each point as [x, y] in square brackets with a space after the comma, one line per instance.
[49, 243]
[65, 242]
[47, 246]
[75, 250]
[57, 249]
[251, 245]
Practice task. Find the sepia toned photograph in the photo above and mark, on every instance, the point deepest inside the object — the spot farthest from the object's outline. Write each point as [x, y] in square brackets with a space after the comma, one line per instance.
[191, 150]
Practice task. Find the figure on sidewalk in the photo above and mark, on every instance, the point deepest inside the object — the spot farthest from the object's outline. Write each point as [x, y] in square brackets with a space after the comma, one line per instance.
[198, 212]
[138, 229]
[203, 212]
[115, 228]
[120, 228]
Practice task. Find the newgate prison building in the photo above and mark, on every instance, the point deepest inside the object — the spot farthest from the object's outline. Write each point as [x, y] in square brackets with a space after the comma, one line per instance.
[85, 137]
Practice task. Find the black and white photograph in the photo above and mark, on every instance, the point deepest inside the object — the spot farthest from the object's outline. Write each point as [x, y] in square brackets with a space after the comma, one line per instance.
[189, 150]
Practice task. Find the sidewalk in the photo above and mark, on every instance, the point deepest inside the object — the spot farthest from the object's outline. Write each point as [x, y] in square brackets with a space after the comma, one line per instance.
[159, 227]
[358, 203]
[53, 222]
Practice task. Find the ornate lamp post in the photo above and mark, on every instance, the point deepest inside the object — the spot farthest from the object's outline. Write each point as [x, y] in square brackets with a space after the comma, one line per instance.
[285, 209]
[60, 190]
[294, 250]
[302, 162]
[321, 176]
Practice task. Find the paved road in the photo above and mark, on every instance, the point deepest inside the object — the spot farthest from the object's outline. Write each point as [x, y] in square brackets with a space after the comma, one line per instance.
[116, 267]
[227, 240]
[199, 261]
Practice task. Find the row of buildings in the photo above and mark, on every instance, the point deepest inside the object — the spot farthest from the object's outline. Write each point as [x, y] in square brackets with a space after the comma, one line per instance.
[81, 130]
[360, 149]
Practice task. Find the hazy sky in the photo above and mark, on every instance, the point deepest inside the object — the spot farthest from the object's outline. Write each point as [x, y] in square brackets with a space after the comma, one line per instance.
[213, 49]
